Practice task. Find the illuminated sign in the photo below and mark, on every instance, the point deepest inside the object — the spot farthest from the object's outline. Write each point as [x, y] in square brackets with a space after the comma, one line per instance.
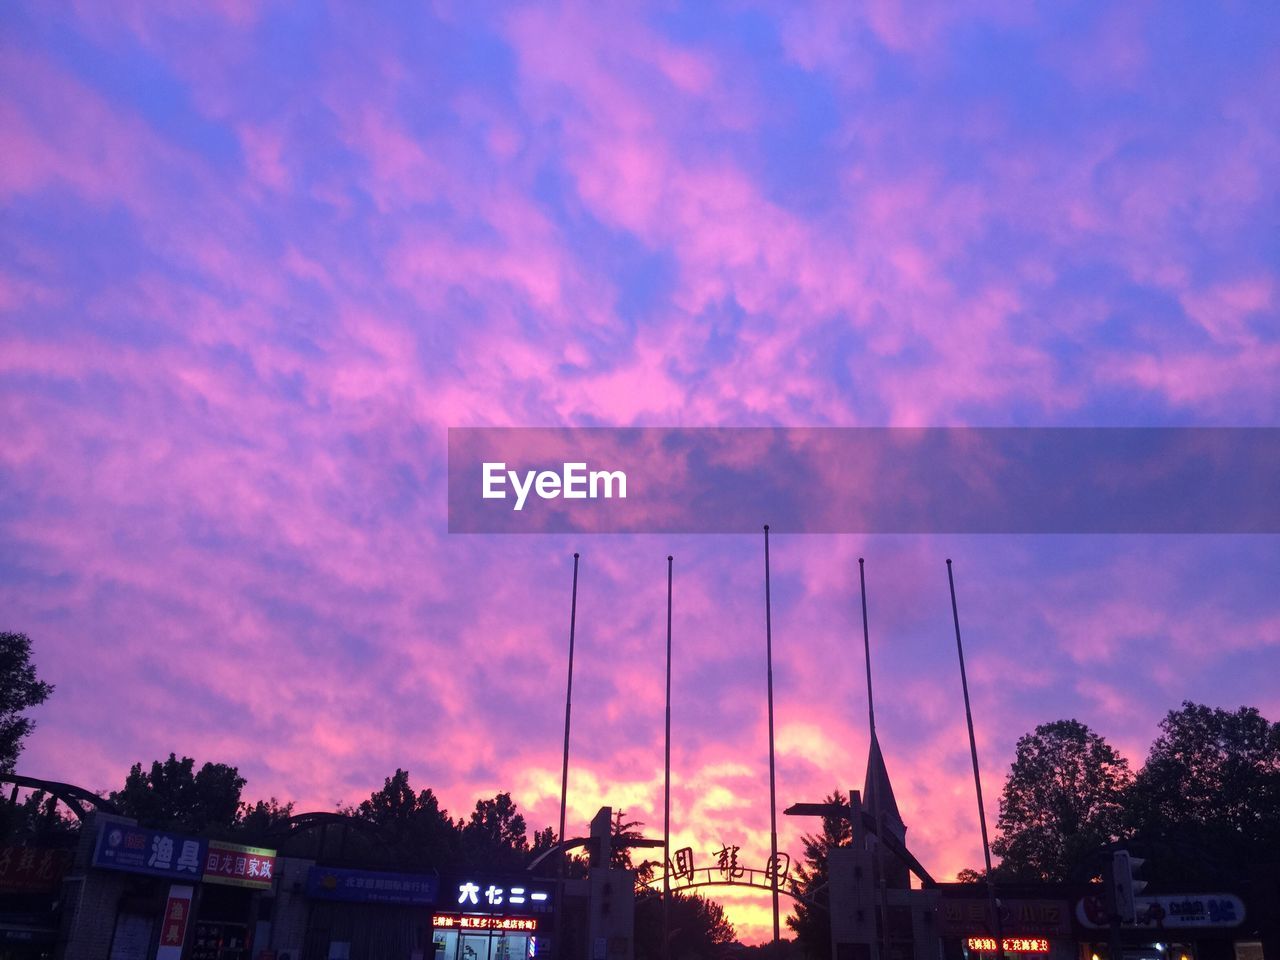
[140, 850]
[472, 894]
[1173, 910]
[1011, 944]
[230, 863]
[463, 921]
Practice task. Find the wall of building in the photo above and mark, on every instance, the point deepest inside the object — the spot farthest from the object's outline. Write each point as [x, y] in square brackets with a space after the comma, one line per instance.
[91, 899]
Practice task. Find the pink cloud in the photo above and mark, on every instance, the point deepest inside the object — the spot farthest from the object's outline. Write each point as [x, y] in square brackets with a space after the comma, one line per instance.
[233, 336]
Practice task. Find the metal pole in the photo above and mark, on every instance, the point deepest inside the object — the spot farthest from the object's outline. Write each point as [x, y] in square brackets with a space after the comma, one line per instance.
[773, 792]
[666, 792]
[564, 770]
[866, 646]
[875, 748]
[977, 778]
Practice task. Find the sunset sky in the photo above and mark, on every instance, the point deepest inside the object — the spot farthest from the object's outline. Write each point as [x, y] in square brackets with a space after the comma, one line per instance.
[256, 259]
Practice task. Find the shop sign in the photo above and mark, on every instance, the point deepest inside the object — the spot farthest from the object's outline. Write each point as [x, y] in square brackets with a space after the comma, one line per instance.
[230, 863]
[240, 865]
[368, 886]
[485, 897]
[961, 916]
[173, 929]
[463, 921]
[32, 869]
[1011, 944]
[154, 852]
[1170, 912]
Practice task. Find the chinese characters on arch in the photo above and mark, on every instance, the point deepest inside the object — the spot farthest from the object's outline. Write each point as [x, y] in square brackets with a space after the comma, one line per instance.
[725, 865]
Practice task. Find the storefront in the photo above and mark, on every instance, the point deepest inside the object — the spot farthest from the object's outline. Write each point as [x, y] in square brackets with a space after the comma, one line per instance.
[493, 919]
[1038, 928]
[1190, 926]
[30, 878]
[354, 914]
[182, 897]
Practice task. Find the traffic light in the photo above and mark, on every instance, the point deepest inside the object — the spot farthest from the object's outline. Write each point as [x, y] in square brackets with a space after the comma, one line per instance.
[1122, 886]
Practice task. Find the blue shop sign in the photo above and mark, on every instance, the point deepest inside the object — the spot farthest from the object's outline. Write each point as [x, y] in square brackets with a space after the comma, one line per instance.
[369, 886]
[139, 850]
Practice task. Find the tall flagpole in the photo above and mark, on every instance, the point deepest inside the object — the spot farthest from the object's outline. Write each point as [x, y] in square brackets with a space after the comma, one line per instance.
[977, 779]
[875, 746]
[564, 770]
[773, 792]
[666, 792]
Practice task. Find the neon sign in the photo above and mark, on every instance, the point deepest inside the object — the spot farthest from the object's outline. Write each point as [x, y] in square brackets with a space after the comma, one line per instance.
[1011, 944]
[471, 893]
[462, 921]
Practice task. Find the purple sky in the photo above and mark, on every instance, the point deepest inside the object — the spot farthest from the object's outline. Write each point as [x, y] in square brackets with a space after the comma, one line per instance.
[254, 260]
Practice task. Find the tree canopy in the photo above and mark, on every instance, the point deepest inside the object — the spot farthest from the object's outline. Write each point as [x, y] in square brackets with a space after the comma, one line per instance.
[20, 690]
[699, 928]
[812, 925]
[174, 795]
[1064, 798]
[37, 819]
[1207, 796]
[419, 827]
[259, 819]
[622, 833]
[1215, 771]
[494, 838]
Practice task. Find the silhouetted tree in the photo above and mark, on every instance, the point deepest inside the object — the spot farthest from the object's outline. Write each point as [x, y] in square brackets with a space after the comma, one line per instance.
[421, 830]
[1212, 775]
[699, 928]
[494, 838]
[257, 820]
[37, 819]
[812, 924]
[20, 690]
[174, 795]
[1208, 796]
[1063, 798]
[621, 833]
[543, 840]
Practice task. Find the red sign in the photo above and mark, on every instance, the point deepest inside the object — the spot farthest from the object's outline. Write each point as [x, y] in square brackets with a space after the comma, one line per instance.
[464, 921]
[1011, 944]
[176, 913]
[239, 866]
[173, 924]
[32, 869]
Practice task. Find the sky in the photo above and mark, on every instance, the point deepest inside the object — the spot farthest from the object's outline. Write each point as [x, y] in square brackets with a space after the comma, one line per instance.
[256, 259]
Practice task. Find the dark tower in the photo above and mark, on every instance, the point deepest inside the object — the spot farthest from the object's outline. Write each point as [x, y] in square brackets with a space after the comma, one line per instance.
[877, 791]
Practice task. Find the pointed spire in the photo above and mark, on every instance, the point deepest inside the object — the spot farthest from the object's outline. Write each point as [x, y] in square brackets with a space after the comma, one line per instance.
[877, 788]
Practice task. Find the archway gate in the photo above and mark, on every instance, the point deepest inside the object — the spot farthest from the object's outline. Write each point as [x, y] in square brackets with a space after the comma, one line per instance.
[716, 876]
